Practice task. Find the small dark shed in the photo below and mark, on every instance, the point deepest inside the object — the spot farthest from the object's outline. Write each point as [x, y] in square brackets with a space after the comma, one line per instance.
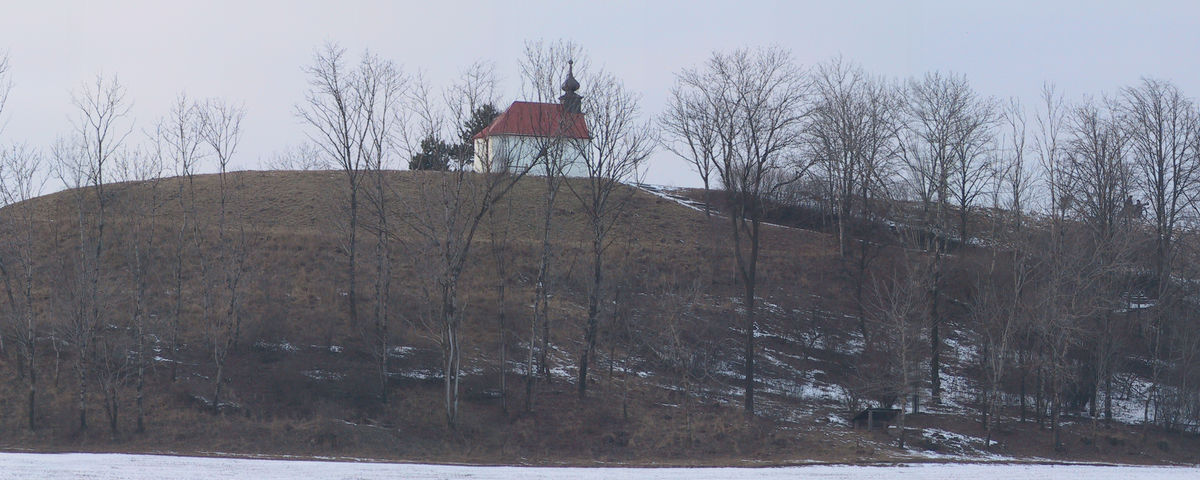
[875, 418]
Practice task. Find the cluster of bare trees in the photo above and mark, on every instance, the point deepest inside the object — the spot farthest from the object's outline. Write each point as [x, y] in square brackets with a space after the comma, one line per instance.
[1095, 277]
[369, 119]
[93, 302]
[1084, 293]
[362, 117]
[740, 115]
[139, 289]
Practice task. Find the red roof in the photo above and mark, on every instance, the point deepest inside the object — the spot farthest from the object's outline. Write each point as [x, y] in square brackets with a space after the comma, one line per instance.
[537, 119]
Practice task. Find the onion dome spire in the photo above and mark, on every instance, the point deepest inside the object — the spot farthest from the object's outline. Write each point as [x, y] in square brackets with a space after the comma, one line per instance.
[570, 85]
[571, 101]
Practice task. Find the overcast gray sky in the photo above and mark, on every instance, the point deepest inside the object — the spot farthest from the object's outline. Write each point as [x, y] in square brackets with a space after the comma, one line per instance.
[253, 51]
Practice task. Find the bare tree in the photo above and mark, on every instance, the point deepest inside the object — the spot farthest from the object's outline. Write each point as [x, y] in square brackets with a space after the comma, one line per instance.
[77, 329]
[944, 141]
[971, 172]
[1098, 174]
[101, 106]
[179, 142]
[338, 122]
[756, 98]
[1163, 128]
[121, 352]
[619, 146]
[995, 311]
[999, 303]
[1015, 173]
[543, 64]
[1050, 147]
[21, 180]
[1065, 298]
[382, 86]
[140, 242]
[940, 142]
[500, 221]
[926, 139]
[221, 132]
[1087, 178]
[471, 101]
[848, 134]
[445, 216]
[5, 89]
[475, 89]
[1099, 170]
[1015, 177]
[82, 162]
[691, 133]
[849, 137]
[897, 306]
[302, 156]
[112, 365]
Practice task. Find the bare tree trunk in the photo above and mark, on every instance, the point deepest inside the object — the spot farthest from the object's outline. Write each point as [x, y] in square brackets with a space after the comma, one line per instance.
[541, 301]
[1022, 381]
[1055, 412]
[82, 390]
[32, 395]
[141, 381]
[935, 341]
[382, 298]
[593, 318]
[1108, 396]
[748, 273]
[503, 353]
[500, 250]
[219, 359]
[529, 365]
[383, 282]
[451, 352]
[614, 155]
[751, 328]
[1039, 399]
[352, 265]
[177, 310]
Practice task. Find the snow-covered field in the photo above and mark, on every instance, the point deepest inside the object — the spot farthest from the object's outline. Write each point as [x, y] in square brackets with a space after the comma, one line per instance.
[134, 467]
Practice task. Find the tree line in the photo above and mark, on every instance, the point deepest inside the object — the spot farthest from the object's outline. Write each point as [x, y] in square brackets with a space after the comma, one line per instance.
[1086, 210]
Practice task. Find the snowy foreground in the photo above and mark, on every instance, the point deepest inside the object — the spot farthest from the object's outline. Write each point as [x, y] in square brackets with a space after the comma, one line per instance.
[117, 466]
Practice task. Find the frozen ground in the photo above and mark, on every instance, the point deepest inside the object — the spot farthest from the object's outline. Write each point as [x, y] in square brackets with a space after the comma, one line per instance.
[135, 467]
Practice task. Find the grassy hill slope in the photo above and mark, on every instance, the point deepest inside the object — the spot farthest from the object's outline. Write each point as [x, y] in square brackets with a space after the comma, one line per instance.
[302, 378]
